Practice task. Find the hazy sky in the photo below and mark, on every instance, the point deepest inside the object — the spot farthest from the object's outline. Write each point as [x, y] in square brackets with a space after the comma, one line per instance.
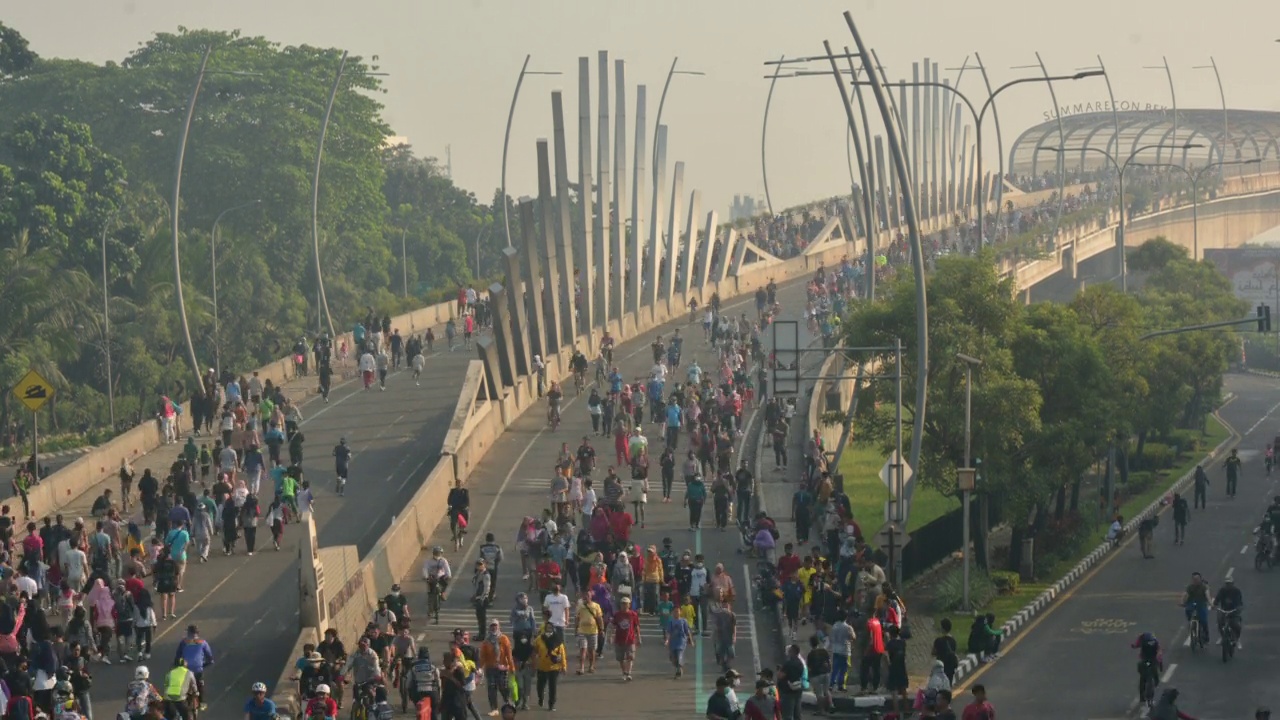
[453, 65]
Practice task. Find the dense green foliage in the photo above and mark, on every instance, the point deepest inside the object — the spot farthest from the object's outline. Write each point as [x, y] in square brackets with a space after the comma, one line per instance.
[88, 150]
[1058, 383]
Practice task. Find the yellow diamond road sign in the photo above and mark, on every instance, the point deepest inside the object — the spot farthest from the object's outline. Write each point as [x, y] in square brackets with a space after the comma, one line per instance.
[33, 391]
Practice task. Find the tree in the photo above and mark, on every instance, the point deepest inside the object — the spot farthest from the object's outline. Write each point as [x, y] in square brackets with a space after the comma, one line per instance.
[15, 54]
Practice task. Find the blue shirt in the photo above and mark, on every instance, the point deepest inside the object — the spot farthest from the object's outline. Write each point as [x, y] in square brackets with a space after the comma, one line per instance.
[277, 478]
[674, 414]
[679, 633]
[265, 711]
[197, 653]
[177, 541]
[615, 383]
[655, 390]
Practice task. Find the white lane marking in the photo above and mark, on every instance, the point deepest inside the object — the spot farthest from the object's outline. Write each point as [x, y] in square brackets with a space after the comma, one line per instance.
[748, 589]
[1168, 673]
[1230, 576]
[178, 623]
[1262, 420]
[1244, 549]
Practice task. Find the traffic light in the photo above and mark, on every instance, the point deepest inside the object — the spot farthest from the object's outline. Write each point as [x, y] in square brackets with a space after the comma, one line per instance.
[1264, 318]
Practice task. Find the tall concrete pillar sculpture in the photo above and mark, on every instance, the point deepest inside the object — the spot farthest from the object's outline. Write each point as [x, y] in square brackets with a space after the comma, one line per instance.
[604, 196]
[937, 140]
[690, 243]
[639, 206]
[585, 252]
[916, 159]
[944, 203]
[727, 252]
[515, 314]
[883, 190]
[708, 249]
[962, 173]
[564, 215]
[672, 254]
[503, 335]
[927, 144]
[620, 213]
[902, 100]
[549, 281]
[957, 123]
[656, 217]
[537, 322]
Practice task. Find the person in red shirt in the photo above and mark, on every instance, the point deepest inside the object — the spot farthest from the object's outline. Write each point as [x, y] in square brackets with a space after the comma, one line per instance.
[788, 564]
[620, 523]
[322, 706]
[979, 709]
[870, 676]
[626, 635]
[548, 577]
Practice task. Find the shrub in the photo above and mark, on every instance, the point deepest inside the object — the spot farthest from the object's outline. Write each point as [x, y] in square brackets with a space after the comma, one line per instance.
[1139, 481]
[948, 594]
[1006, 582]
[1155, 456]
[1186, 441]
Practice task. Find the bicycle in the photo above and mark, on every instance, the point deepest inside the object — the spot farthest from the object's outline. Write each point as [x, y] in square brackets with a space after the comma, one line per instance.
[1148, 681]
[579, 381]
[458, 534]
[433, 600]
[553, 417]
[1196, 633]
[362, 704]
[1230, 635]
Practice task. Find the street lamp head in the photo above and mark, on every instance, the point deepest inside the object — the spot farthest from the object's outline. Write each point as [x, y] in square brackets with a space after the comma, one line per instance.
[1088, 74]
[969, 359]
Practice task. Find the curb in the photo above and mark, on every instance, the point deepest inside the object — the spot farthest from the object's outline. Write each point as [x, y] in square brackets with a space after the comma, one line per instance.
[1010, 628]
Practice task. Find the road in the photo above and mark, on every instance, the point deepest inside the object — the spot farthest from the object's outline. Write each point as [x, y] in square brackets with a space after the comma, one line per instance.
[512, 481]
[1082, 643]
[247, 607]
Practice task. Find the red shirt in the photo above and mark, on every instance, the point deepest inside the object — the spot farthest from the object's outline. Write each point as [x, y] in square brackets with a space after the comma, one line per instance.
[620, 523]
[548, 574]
[33, 545]
[626, 625]
[979, 711]
[135, 586]
[788, 565]
[876, 636]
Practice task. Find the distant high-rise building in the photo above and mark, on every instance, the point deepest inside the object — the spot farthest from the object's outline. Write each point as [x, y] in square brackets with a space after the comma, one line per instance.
[745, 206]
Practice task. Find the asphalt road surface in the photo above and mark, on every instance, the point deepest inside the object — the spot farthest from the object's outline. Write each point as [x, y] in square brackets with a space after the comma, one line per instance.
[513, 481]
[1074, 661]
[247, 607]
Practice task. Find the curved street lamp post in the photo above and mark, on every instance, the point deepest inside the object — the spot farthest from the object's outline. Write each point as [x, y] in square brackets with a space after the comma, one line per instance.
[176, 206]
[1195, 176]
[506, 140]
[213, 270]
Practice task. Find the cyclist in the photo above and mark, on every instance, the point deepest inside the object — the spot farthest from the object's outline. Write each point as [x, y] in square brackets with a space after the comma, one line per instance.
[1196, 599]
[1230, 605]
[322, 707]
[459, 502]
[259, 707]
[1150, 659]
[606, 347]
[579, 364]
[363, 671]
[403, 650]
[553, 404]
[424, 682]
[342, 463]
[602, 369]
[398, 604]
[1271, 519]
[437, 573]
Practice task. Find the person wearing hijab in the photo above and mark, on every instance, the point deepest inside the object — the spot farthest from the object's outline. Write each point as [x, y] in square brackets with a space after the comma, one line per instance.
[10, 625]
[623, 574]
[230, 514]
[102, 608]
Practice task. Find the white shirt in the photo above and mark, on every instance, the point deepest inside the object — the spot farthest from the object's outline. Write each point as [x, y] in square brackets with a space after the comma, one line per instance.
[367, 363]
[471, 296]
[227, 458]
[26, 585]
[558, 604]
[588, 501]
[76, 563]
[1114, 531]
[659, 371]
[255, 386]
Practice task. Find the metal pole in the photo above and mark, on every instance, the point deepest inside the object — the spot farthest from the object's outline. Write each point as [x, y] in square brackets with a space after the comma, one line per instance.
[506, 140]
[106, 324]
[177, 209]
[404, 259]
[995, 116]
[898, 485]
[657, 122]
[213, 271]
[913, 227]
[323, 307]
[968, 440]
[764, 128]
[869, 217]
[1124, 265]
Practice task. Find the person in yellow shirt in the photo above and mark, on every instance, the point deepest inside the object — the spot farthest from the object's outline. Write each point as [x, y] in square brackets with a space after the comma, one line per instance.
[805, 576]
[589, 622]
[551, 661]
[688, 611]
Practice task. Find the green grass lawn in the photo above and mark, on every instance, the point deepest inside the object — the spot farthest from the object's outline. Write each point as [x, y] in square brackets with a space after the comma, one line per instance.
[860, 465]
[1215, 433]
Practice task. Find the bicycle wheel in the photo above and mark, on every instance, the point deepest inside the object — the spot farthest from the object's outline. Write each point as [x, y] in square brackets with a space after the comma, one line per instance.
[1196, 640]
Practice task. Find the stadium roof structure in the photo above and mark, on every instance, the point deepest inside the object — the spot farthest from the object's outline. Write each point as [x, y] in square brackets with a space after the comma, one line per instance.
[1226, 135]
